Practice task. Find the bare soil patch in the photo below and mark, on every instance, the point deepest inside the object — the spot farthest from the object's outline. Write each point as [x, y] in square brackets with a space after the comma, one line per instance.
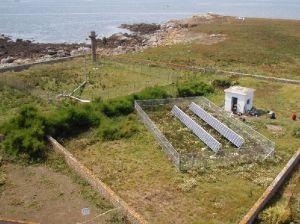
[38, 194]
[276, 129]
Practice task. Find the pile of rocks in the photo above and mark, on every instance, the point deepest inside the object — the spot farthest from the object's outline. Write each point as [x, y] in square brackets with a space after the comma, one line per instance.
[25, 51]
[144, 36]
[142, 28]
[141, 36]
[7, 60]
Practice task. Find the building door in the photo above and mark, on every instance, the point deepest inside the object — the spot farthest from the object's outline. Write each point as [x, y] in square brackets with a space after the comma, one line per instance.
[234, 104]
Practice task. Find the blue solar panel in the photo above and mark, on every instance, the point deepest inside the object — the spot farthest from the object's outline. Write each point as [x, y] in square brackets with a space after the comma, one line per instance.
[209, 140]
[228, 133]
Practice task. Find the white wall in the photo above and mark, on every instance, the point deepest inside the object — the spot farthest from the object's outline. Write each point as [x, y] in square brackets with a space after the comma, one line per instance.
[250, 105]
[242, 105]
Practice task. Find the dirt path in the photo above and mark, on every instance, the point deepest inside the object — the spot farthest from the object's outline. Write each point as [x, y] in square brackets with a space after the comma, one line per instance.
[38, 194]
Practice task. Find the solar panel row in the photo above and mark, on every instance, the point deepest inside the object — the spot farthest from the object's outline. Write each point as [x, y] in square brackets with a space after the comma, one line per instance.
[209, 140]
[225, 131]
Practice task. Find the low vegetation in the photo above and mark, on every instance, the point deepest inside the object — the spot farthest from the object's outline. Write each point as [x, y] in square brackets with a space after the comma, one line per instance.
[142, 174]
[223, 83]
[12, 98]
[26, 133]
[194, 89]
[152, 93]
[296, 132]
[258, 46]
[121, 151]
[118, 128]
[71, 120]
[118, 107]
[285, 206]
[276, 215]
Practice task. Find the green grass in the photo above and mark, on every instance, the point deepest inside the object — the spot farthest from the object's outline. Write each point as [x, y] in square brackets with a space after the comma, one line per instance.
[138, 170]
[106, 79]
[12, 99]
[259, 46]
[184, 141]
[285, 206]
[41, 84]
[135, 166]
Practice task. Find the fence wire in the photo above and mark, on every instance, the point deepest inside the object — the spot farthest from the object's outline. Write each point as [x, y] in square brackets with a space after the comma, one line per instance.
[257, 146]
[104, 79]
[161, 139]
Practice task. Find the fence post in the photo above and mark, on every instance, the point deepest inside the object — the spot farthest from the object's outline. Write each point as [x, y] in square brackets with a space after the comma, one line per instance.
[93, 45]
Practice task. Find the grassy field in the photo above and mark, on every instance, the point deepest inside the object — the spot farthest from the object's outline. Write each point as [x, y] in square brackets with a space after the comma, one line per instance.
[106, 79]
[135, 167]
[259, 46]
[131, 165]
[139, 171]
[286, 203]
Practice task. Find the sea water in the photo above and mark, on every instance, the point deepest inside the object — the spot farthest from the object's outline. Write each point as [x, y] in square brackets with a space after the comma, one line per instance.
[72, 20]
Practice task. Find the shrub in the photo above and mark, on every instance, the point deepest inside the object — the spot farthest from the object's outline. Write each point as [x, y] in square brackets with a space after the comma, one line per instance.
[71, 120]
[123, 106]
[117, 217]
[296, 132]
[276, 215]
[118, 107]
[222, 83]
[25, 134]
[151, 93]
[194, 89]
[117, 128]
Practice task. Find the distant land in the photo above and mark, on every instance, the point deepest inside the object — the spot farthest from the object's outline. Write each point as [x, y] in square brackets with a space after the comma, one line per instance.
[57, 21]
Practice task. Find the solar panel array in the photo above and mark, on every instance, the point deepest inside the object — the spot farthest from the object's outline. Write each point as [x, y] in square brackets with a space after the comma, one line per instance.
[209, 140]
[228, 133]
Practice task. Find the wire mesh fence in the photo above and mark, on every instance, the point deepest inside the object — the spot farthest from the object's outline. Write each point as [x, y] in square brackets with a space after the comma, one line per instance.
[261, 141]
[105, 79]
[161, 139]
[257, 146]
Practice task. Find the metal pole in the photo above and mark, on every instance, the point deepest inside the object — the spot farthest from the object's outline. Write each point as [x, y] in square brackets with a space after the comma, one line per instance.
[94, 45]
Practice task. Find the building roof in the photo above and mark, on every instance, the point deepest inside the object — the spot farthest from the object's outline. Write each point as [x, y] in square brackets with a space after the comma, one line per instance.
[239, 90]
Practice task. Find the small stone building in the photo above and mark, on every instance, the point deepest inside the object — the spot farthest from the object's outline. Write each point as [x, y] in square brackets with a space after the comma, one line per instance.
[239, 99]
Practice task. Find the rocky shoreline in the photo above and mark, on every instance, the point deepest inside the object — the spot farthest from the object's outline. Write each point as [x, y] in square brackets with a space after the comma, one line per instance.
[21, 52]
[143, 36]
[139, 37]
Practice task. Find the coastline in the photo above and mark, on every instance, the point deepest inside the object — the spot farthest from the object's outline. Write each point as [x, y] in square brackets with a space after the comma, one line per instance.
[20, 52]
[137, 38]
[143, 36]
